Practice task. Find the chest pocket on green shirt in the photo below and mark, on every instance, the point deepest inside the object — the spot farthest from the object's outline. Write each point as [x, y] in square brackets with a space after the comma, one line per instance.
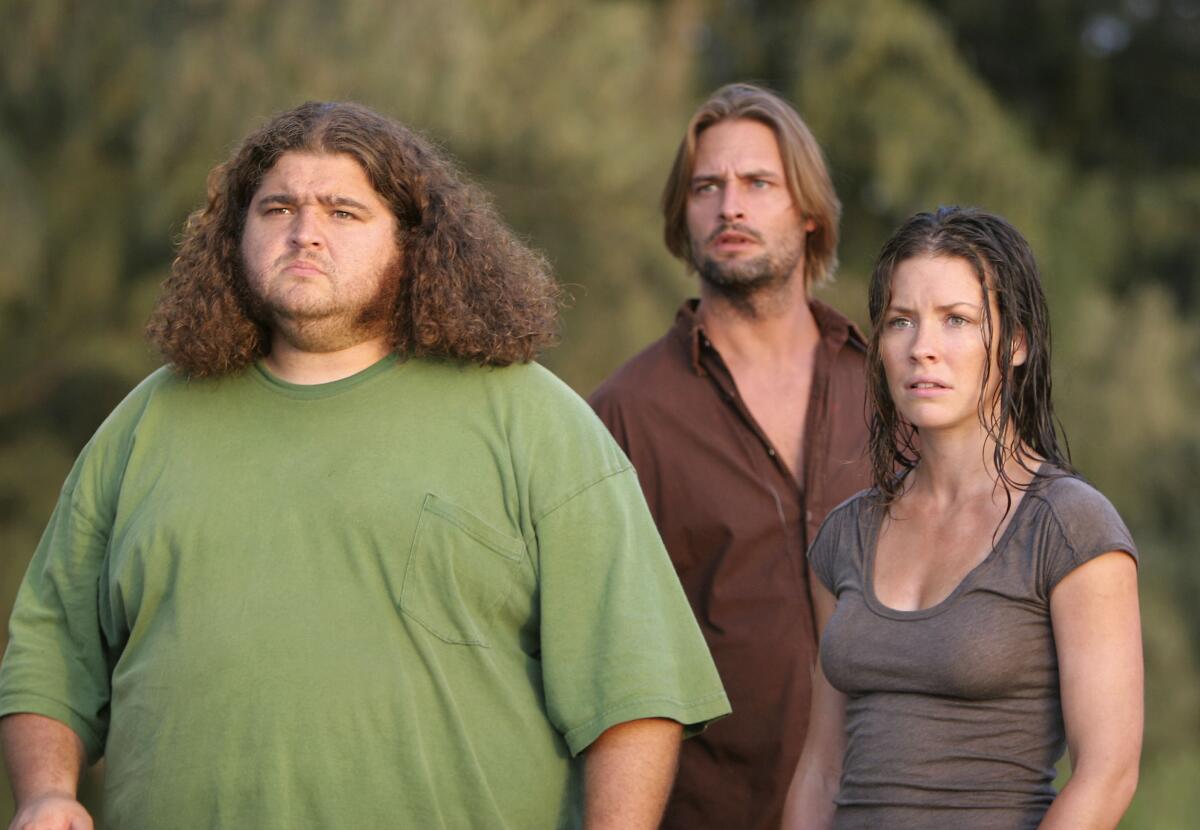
[460, 570]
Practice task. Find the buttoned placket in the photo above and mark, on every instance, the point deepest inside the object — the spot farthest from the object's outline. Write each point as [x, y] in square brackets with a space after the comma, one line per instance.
[708, 361]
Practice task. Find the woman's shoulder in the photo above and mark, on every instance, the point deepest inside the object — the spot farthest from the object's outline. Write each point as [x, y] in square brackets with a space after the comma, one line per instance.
[845, 520]
[1086, 522]
[855, 507]
[1071, 498]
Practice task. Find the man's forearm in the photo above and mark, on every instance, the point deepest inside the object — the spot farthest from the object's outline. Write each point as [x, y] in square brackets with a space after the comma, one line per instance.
[42, 755]
[628, 773]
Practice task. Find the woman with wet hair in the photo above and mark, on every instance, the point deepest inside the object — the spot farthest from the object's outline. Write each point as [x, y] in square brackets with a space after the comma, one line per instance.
[978, 605]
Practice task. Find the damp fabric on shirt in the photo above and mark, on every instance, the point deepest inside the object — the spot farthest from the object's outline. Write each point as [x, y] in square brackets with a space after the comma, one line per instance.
[953, 715]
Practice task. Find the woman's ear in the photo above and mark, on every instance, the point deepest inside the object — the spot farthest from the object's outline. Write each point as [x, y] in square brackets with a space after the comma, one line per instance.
[1019, 348]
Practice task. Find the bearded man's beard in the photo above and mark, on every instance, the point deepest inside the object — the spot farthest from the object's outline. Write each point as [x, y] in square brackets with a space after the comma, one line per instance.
[331, 328]
[744, 282]
[740, 278]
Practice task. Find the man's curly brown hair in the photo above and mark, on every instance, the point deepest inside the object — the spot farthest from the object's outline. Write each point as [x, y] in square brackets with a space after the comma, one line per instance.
[469, 289]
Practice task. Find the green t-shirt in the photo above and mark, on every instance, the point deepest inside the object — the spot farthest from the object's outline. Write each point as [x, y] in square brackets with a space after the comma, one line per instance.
[408, 598]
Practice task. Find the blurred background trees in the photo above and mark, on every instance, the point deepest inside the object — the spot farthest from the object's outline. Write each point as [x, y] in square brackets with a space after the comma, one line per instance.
[1076, 119]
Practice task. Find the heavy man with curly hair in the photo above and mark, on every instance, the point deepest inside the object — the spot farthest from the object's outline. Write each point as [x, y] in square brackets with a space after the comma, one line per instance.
[351, 559]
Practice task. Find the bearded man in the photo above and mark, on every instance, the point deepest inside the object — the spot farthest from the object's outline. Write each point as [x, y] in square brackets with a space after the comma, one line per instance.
[351, 560]
[746, 424]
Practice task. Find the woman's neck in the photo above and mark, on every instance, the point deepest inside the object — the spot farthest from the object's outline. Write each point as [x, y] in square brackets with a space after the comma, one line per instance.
[958, 468]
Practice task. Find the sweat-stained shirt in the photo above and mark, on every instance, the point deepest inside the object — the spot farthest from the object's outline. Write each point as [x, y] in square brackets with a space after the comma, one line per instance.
[736, 524]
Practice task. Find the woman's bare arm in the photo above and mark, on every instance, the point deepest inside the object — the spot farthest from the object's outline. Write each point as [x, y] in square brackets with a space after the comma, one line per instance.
[1097, 633]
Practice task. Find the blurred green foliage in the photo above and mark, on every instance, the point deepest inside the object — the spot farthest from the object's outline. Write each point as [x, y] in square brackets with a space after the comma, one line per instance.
[1076, 120]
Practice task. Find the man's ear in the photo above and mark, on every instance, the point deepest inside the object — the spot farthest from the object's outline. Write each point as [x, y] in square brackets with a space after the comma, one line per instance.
[1019, 348]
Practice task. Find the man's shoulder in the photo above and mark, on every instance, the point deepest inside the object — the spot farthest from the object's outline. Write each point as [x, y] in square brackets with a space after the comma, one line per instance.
[105, 454]
[525, 385]
[527, 400]
[133, 406]
[162, 378]
[649, 374]
[838, 328]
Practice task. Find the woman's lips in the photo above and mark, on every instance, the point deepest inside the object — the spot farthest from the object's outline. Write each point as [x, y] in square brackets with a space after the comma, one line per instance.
[926, 388]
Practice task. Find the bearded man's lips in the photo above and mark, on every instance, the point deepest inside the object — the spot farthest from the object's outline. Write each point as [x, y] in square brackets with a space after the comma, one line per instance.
[303, 267]
[734, 235]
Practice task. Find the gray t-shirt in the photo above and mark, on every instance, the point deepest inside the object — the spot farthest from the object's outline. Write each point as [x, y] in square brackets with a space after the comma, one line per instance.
[953, 717]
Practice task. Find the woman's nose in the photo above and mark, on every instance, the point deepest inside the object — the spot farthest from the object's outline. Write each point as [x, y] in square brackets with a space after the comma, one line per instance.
[924, 344]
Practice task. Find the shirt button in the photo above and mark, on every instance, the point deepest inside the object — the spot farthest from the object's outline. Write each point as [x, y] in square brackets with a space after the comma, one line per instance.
[770, 452]
[808, 515]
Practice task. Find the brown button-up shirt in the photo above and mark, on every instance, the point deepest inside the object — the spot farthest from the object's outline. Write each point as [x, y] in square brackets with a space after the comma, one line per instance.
[737, 524]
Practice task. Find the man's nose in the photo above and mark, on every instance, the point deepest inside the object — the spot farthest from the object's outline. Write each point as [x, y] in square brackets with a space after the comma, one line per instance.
[732, 205]
[306, 230]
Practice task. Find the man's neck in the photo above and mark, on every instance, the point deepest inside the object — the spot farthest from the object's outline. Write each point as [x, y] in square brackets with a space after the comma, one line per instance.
[294, 365]
[781, 329]
[771, 354]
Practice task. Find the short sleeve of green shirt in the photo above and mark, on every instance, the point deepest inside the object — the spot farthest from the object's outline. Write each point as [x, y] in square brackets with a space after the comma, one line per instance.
[57, 662]
[619, 641]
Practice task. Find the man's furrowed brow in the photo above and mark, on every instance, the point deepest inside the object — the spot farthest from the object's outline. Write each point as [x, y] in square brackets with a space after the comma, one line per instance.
[761, 173]
[341, 202]
[329, 201]
[745, 175]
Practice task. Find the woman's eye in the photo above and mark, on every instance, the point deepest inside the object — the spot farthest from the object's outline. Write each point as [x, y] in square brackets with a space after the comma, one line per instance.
[957, 321]
[899, 323]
